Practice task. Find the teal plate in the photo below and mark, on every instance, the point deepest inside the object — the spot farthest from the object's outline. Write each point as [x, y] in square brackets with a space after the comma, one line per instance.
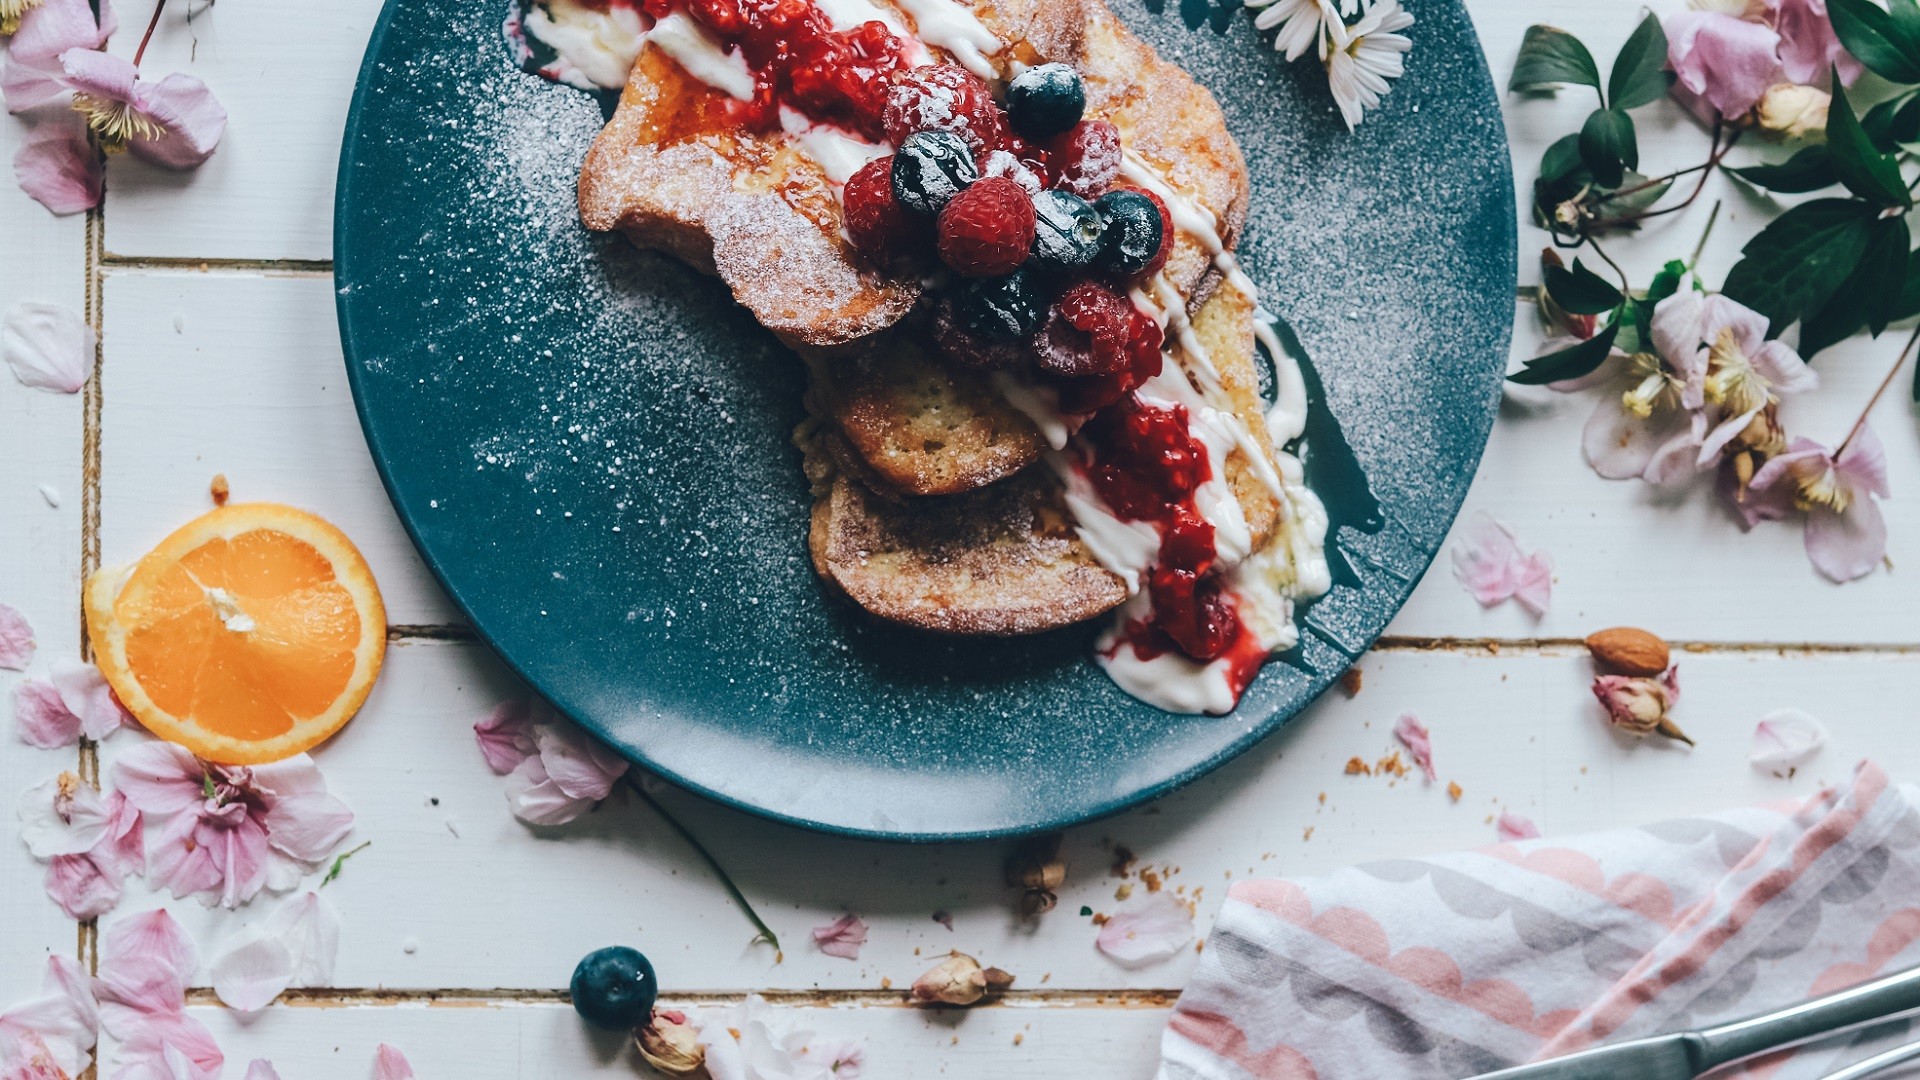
[591, 445]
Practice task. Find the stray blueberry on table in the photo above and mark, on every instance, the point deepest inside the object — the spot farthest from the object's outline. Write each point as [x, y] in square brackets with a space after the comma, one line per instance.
[1045, 100]
[1003, 308]
[1134, 231]
[930, 168]
[614, 988]
[1067, 230]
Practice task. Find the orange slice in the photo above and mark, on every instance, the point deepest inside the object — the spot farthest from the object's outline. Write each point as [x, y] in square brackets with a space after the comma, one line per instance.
[252, 633]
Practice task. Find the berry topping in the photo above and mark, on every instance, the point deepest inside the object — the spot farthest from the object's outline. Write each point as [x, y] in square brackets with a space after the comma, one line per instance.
[1093, 393]
[987, 230]
[943, 97]
[967, 349]
[930, 168]
[1045, 100]
[1086, 333]
[1136, 231]
[1190, 608]
[1005, 163]
[1001, 308]
[1085, 158]
[1067, 230]
[614, 988]
[1146, 463]
[880, 228]
[799, 59]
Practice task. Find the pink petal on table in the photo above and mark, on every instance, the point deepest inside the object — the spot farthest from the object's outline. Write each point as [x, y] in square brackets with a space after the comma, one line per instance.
[48, 346]
[309, 927]
[537, 800]
[29, 84]
[390, 1064]
[1151, 930]
[159, 778]
[59, 169]
[167, 1046]
[82, 887]
[123, 849]
[86, 694]
[1488, 562]
[41, 718]
[152, 936]
[251, 969]
[62, 815]
[1418, 740]
[506, 736]
[1846, 546]
[308, 827]
[1512, 827]
[842, 937]
[16, 639]
[193, 119]
[101, 76]
[1786, 738]
[580, 765]
[1533, 583]
[261, 1069]
[55, 26]
[63, 1023]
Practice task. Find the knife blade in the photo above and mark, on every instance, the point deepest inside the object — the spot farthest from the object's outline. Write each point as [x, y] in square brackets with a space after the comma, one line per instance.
[1662, 1057]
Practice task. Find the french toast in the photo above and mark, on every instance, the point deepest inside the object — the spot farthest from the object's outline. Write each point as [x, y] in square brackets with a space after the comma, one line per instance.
[671, 173]
[1005, 559]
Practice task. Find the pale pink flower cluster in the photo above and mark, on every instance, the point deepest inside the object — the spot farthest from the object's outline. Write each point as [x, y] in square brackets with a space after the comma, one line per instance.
[51, 1037]
[555, 772]
[1727, 54]
[90, 842]
[224, 832]
[73, 700]
[57, 77]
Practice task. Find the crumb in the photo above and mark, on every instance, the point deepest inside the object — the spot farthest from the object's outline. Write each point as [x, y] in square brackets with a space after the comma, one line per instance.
[1125, 890]
[1018, 1038]
[916, 950]
[1355, 767]
[1099, 918]
[955, 1042]
[219, 489]
[886, 983]
[1391, 764]
[1350, 682]
[1046, 977]
[1454, 791]
[1323, 798]
[1308, 835]
[1122, 860]
[1151, 880]
[1199, 945]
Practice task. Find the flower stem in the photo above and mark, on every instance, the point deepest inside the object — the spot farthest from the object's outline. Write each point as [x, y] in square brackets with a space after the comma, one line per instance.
[1693, 263]
[158, 7]
[1705, 169]
[1625, 287]
[1899, 363]
[766, 932]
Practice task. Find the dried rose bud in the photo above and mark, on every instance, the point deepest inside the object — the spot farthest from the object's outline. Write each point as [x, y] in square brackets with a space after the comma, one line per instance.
[1641, 705]
[959, 980]
[671, 1043]
[1791, 111]
[1036, 867]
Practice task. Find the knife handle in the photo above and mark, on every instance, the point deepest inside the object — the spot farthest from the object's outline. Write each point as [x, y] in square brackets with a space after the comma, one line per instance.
[1886, 998]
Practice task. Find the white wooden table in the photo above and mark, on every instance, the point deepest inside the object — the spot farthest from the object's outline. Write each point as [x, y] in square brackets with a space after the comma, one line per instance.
[213, 296]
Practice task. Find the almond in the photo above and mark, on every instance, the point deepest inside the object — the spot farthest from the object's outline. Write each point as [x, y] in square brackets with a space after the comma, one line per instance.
[1627, 650]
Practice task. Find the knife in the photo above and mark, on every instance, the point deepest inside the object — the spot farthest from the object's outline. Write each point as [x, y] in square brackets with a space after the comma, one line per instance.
[1687, 1054]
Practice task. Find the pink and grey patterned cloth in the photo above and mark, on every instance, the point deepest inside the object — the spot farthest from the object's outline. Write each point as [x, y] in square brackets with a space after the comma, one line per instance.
[1460, 964]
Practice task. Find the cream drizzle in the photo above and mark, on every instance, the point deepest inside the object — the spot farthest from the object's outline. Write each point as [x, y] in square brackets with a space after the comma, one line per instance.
[703, 56]
[949, 25]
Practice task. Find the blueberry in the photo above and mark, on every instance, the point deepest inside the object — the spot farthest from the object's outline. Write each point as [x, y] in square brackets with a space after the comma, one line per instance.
[1067, 230]
[930, 168]
[1045, 100]
[1133, 231]
[1005, 308]
[614, 988]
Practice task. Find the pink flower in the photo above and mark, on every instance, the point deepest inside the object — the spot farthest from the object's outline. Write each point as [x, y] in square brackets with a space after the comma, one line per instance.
[1732, 370]
[1722, 62]
[54, 26]
[146, 964]
[390, 1064]
[1641, 706]
[1513, 827]
[261, 1069]
[1487, 560]
[842, 937]
[230, 831]
[175, 123]
[91, 842]
[1418, 740]
[555, 772]
[51, 1037]
[1152, 930]
[1809, 48]
[47, 346]
[16, 639]
[76, 701]
[59, 169]
[1846, 534]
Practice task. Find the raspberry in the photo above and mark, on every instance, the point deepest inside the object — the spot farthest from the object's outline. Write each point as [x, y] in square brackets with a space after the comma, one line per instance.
[1086, 333]
[1144, 339]
[1003, 163]
[1090, 394]
[943, 97]
[1159, 260]
[1085, 158]
[1192, 611]
[968, 349]
[881, 229]
[987, 230]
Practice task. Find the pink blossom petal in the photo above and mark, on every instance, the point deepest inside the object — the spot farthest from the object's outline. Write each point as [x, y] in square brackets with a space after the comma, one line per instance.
[1727, 61]
[62, 815]
[1808, 45]
[1678, 459]
[1849, 545]
[1418, 740]
[82, 887]
[1488, 562]
[41, 718]
[308, 827]
[57, 168]
[1618, 445]
[1723, 433]
[49, 347]
[1152, 930]
[251, 970]
[159, 778]
[16, 639]
[261, 1069]
[1513, 827]
[86, 694]
[1863, 464]
[1679, 335]
[55, 26]
[537, 800]
[297, 775]
[1533, 583]
[842, 937]
[580, 765]
[1784, 739]
[390, 1064]
[30, 84]
[153, 936]
[169, 1046]
[506, 736]
[63, 1022]
[309, 927]
[1783, 367]
[193, 119]
[101, 75]
[123, 849]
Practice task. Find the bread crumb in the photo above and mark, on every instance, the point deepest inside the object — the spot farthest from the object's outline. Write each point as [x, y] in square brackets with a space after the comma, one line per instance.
[886, 983]
[1099, 918]
[1355, 767]
[1151, 880]
[1125, 890]
[1018, 1038]
[1308, 835]
[1122, 860]
[1323, 798]
[1454, 791]
[1350, 682]
[219, 489]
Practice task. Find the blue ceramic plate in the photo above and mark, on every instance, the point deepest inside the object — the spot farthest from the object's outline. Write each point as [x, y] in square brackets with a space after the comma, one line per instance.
[590, 445]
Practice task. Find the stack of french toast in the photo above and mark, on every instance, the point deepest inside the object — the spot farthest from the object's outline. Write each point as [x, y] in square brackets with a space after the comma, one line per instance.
[942, 474]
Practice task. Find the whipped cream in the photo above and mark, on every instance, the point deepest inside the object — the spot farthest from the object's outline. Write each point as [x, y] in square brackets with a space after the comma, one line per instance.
[595, 48]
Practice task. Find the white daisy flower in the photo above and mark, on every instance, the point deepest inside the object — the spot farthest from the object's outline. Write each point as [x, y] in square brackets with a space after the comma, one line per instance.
[1304, 25]
[1365, 56]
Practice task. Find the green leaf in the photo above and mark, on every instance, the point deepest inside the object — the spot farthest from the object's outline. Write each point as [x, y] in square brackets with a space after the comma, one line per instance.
[1615, 206]
[1887, 41]
[1860, 165]
[1640, 75]
[1870, 296]
[1608, 147]
[1809, 170]
[1799, 260]
[1569, 363]
[1664, 284]
[1909, 304]
[1561, 160]
[1894, 121]
[1580, 291]
[341, 862]
[1551, 58]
